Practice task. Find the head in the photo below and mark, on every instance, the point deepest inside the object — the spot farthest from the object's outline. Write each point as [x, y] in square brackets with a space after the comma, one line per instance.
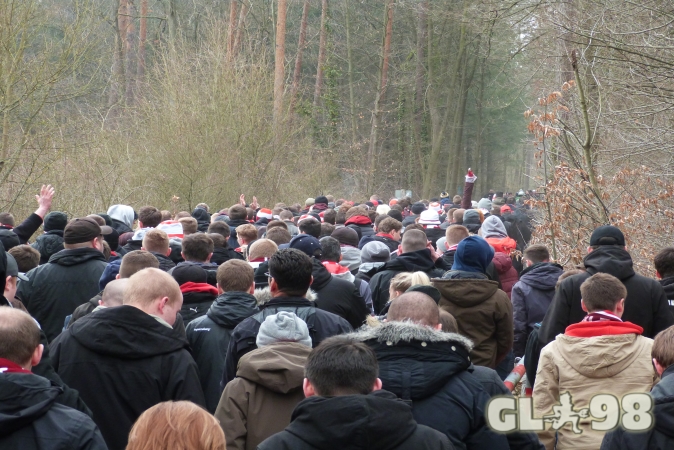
[155, 292]
[414, 240]
[329, 216]
[566, 274]
[246, 233]
[535, 254]
[198, 248]
[113, 294]
[391, 226]
[176, 425]
[218, 240]
[418, 208]
[310, 226]
[456, 199]
[283, 326]
[341, 366]
[603, 292]
[236, 276]
[308, 245]
[455, 234]
[326, 229]
[136, 261]
[262, 249]
[278, 235]
[84, 233]
[27, 258]
[290, 271]
[221, 228]
[664, 262]
[606, 235]
[332, 251]
[286, 215]
[308, 203]
[11, 277]
[238, 212]
[346, 236]
[165, 215]
[457, 216]
[473, 255]
[156, 241]
[19, 338]
[149, 217]
[663, 350]
[189, 224]
[401, 282]
[276, 223]
[181, 215]
[374, 252]
[416, 307]
[448, 322]
[7, 219]
[55, 220]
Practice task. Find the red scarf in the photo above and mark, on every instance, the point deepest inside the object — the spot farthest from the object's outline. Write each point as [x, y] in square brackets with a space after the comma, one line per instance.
[334, 267]
[7, 366]
[600, 316]
[386, 236]
[191, 286]
[358, 220]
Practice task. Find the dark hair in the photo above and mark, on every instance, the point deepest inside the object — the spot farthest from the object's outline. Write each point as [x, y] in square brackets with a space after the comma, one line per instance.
[326, 229]
[332, 251]
[136, 261]
[312, 227]
[291, 269]
[329, 216]
[19, 335]
[221, 228]
[238, 212]
[250, 214]
[340, 218]
[218, 240]
[537, 253]
[342, 366]
[663, 347]
[150, 216]
[7, 219]
[27, 258]
[602, 292]
[278, 235]
[664, 262]
[197, 247]
[276, 223]
[235, 275]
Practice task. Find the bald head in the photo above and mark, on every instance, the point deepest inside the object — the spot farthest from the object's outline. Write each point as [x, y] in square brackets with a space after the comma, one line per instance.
[113, 295]
[19, 336]
[416, 307]
[414, 240]
[154, 292]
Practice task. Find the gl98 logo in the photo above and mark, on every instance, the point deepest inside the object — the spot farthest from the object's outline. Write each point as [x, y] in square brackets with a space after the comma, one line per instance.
[506, 414]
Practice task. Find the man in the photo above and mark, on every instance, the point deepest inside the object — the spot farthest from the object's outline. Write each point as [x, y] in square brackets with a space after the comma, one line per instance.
[237, 217]
[126, 359]
[430, 370]
[157, 242]
[453, 236]
[430, 220]
[246, 234]
[309, 226]
[209, 335]
[51, 241]
[348, 241]
[31, 413]
[414, 256]
[389, 231]
[11, 281]
[224, 252]
[69, 279]
[11, 235]
[149, 218]
[197, 250]
[287, 218]
[346, 408]
[531, 296]
[645, 305]
[123, 217]
[417, 209]
[290, 272]
[664, 269]
[198, 295]
[27, 258]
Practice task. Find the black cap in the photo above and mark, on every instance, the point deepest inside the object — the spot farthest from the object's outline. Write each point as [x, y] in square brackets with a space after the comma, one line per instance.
[307, 244]
[321, 199]
[190, 272]
[55, 220]
[418, 208]
[431, 291]
[84, 229]
[13, 268]
[607, 235]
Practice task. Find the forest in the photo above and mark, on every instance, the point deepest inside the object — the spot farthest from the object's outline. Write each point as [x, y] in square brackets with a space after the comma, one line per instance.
[176, 102]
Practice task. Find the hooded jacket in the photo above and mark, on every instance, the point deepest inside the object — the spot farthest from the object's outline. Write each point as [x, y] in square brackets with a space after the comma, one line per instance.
[31, 417]
[645, 305]
[209, 336]
[419, 260]
[494, 231]
[506, 272]
[123, 361]
[668, 286]
[222, 255]
[661, 436]
[429, 369]
[203, 219]
[338, 296]
[48, 244]
[197, 299]
[350, 258]
[122, 217]
[233, 223]
[362, 286]
[260, 400]
[589, 358]
[531, 297]
[165, 263]
[377, 421]
[55, 289]
[471, 220]
[361, 224]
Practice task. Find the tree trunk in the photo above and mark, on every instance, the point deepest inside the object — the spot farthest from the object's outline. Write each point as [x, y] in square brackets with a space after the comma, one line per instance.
[172, 20]
[298, 59]
[117, 80]
[232, 28]
[130, 59]
[321, 53]
[279, 61]
[142, 39]
[240, 28]
[419, 79]
[349, 57]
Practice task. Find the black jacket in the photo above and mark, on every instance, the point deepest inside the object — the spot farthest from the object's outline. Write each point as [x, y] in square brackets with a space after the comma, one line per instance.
[337, 296]
[48, 244]
[233, 223]
[222, 255]
[377, 421]
[321, 324]
[203, 219]
[55, 289]
[196, 304]
[123, 361]
[31, 417]
[429, 368]
[209, 338]
[646, 303]
[661, 436]
[120, 227]
[25, 229]
[130, 246]
[668, 285]
[208, 267]
[433, 234]
[407, 262]
[165, 263]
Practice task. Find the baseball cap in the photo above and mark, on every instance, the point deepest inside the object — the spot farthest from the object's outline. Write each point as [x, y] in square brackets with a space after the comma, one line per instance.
[84, 229]
[13, 268]
[306, 244]
[607, 235]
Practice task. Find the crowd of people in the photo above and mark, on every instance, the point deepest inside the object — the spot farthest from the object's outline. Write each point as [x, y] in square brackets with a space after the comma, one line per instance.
[329, 325]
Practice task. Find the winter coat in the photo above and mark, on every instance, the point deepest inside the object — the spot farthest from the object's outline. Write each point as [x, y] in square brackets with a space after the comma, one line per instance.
[123, 361]
[31, 417]
[419, 260]
[668, 286]
[260, 400]
[589, 358]
[338, 296]
[85, 308]
[222, 255]
[350, 258]
[411, 219]
[506, 272]
[48, 244]
[390, 243]
[367, 270]
[531, 297]
[362, 286]
[321, 324]
[122, 217]
[165, 263]
[661, 437]
[209, 335]
[483, 313]
[22, 232]
[233, 223]
[519, 229]
[130, 246]
[208, 267]
[361, 225]
[377, 421]
[197, 299]
[55, 289]
[429, 368]
[433, 234]
[646, 303]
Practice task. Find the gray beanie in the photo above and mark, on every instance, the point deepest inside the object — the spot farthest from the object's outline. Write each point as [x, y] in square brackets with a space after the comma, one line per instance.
[283, 327]
[375, 251]
[484, 203]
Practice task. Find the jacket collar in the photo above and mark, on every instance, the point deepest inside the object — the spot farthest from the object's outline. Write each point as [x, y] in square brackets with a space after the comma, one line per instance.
[7, 366]
[603, 328]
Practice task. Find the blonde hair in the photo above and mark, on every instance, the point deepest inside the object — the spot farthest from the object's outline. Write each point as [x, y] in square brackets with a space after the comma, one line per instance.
[176, 426]
[405, 280]
[150, 284]
[262, 248]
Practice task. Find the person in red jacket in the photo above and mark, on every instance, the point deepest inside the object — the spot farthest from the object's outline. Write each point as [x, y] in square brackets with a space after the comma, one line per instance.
[494, 232]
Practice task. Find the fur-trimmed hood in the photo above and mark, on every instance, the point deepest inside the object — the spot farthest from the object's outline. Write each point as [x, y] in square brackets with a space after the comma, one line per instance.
[264, 295]
[395, 332]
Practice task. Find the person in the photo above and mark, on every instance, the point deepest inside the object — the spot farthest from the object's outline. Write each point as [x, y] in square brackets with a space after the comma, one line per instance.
[26, 257]
[123, 217]
[197, 250]
[31, 413]
[348, 241]
[493, 231]
[602, 353]
[198, 295]
[246, 234]
[290, 272]
[189, 224]
[237, 217]
[203, 218]
[346, 407]
[10, 235]
[279, 235]
[157, 242]
[660, 436]
[430, 220]
[401, 283]
[429, 369]
[664, 269]
[268, 385]
[417, 209]
[373, 255]
[472, 221]
[357, 219]
[453, 235]
[149, 218]
[483, 311]
[70, 278]
[124, 360]
[389, 231]
[287, 218]
[646, 302]
[51, 242]
[209, 334]
[532, 294]
[222, 252]
[176, 425]
[414, 256]
[260, 252]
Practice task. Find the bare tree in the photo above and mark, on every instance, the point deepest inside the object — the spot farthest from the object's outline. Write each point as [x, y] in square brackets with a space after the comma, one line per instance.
[321, 53]
[279, 60]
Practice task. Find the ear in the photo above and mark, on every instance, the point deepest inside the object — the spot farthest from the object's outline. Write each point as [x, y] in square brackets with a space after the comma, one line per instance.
[251, 291]
[183, 255]
[447, 245]
[620, 307]
[36, 356]
[589, 249]
[220, 291]
[140, 224]
[168, 252]
[273, 286]
[117, 277]
[582, 305]
[657, 274]
[312, 280]
[658, 368]
[308, 388]
[341, 257]
[100, 302]
[438, 327]
[377, 385]
[210, 255]
[162, 304]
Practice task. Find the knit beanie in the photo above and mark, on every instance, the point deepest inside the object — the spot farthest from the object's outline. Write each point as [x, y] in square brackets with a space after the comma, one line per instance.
[346, 236]
[484, 203]
[55, 220]
[374, 251]
[283, 326]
